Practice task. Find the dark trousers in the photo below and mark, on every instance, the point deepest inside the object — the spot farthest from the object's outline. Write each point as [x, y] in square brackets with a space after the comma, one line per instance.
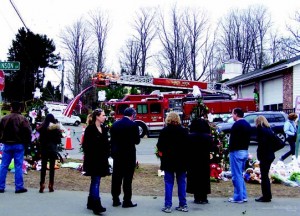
[51, 156]
[122, 173]
[292, 148]
[265, 180]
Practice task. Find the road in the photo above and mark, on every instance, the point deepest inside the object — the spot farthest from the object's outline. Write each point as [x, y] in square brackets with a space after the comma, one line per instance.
[146, 149]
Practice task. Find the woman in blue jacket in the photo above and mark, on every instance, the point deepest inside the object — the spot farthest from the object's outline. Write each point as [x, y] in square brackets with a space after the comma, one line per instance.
[290, 130]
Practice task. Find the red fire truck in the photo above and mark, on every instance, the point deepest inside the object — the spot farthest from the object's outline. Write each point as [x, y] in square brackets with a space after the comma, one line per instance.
[151, 109]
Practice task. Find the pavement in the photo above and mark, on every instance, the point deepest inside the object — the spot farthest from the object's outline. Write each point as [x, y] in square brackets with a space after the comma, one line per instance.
[73, 203]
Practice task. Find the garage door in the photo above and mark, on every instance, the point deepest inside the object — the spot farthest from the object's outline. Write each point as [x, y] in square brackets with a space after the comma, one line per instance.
[247, 91]
[272, 91]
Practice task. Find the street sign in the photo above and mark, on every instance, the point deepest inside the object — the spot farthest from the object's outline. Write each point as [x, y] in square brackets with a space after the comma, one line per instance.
[9, 65]
[2, 80]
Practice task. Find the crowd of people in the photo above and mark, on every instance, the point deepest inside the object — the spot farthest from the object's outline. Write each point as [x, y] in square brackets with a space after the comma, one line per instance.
[183, 153]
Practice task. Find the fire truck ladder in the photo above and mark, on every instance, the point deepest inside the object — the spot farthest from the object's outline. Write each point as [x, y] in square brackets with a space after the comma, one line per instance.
[212, 87]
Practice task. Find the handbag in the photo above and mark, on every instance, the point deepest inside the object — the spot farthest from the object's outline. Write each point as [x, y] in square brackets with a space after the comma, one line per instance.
[277, 143]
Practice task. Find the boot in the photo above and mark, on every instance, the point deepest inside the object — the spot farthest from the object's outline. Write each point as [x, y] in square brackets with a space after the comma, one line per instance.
[50, 186]
[42, 187]
[98, 208]
[90, 203]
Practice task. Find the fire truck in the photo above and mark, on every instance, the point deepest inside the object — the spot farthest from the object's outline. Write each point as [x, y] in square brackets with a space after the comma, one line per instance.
[152, 108]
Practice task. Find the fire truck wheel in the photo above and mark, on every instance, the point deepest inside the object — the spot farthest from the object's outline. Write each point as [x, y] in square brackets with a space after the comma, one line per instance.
[142, 129]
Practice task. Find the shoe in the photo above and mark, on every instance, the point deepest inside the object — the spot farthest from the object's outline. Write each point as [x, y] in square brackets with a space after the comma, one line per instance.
[262, 199]
[2, 190]
[42, 187]
[201, 201]
[129, 205]
[235, 201]
[50, 186]
[97, 207]
[166, 209]
[24, 190]
[245, 200]
[182, 208]
[116, 203]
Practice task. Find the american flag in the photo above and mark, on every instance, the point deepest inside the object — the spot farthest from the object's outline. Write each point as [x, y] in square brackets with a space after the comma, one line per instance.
[71, 106]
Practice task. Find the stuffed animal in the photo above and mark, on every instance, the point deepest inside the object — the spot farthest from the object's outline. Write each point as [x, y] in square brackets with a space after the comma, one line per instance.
[215, 171]
[251, 177]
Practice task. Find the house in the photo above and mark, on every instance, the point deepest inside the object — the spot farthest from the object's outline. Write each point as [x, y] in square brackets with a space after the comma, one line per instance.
[278, 85]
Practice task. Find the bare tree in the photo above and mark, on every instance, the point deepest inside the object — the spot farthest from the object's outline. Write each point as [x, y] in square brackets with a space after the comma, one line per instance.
[130, 57]
[75, 40]
[292, 43]
[200, 44]
[145, 28]
[244, 34]
[172, 59]
[100, 28]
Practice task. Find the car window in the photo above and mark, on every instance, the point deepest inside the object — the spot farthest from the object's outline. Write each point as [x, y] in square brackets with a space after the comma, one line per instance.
[269, 117]
[279, 118]
[250, 118]
[230, 120]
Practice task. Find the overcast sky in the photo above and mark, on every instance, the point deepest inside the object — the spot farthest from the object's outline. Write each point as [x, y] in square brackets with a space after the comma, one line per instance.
[50, 17]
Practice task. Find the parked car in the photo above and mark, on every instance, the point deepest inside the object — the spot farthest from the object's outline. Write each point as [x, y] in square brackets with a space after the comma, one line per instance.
[276, 120]
[73, 120]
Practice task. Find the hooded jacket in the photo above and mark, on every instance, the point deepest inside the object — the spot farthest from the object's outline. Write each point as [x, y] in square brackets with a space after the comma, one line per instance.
[50, 137]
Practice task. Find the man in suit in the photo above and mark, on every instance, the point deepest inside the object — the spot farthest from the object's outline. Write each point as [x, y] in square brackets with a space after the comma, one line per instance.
[124, 137]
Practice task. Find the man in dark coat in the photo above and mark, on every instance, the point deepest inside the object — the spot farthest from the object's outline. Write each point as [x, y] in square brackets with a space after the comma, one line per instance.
[124, 137]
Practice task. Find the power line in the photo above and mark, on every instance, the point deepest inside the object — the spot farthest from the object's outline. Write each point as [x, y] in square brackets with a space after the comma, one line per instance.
[18, 13]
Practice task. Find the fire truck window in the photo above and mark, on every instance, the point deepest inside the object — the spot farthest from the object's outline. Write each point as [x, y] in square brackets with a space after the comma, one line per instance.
[142, 109]
[122, 108]
[155, 108]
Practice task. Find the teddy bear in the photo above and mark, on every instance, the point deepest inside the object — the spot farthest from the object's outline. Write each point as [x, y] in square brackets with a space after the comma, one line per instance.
[215, 171]
[251, 176]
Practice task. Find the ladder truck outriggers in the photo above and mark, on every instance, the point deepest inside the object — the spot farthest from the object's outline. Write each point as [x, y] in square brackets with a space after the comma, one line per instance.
[152, 108]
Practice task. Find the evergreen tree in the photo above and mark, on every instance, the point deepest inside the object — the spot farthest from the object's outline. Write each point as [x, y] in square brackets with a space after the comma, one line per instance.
[35, 53]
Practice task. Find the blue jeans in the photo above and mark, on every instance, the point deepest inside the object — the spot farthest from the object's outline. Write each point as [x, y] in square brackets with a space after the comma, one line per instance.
[181, 184]
[95, 187]
[237, 161]
[16, 152]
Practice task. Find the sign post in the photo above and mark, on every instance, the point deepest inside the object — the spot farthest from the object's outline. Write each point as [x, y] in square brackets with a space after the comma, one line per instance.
[10, 65]
[297, 111]
[2, 85]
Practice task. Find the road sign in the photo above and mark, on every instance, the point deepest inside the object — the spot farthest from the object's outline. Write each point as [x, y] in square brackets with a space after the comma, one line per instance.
[9, 65]
[2, 80]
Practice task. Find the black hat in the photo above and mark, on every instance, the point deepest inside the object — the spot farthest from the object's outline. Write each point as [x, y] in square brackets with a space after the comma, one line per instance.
[129, 111]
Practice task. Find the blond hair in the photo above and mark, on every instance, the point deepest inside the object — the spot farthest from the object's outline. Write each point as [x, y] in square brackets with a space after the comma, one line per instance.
[173, 119]
[89, 119]
[262, 121]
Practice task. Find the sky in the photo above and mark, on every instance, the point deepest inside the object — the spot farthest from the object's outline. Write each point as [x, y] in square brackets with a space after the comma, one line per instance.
[50, 17]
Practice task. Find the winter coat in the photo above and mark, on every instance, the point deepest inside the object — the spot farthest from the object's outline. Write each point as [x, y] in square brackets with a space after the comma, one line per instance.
[96, 151]
[264, 149]
[198, 174]
[15, 129]
[49, 138]
[172, 144]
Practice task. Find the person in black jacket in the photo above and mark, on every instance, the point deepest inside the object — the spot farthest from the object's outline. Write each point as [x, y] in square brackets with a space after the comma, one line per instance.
[238, 154]
[198, 173]
[50, 137]
[96, 151]
[265, 155]
[124, 137]
[173, 151]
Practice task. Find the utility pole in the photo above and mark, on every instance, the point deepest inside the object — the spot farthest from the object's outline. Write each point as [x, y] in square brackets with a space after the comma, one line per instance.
[62, 81]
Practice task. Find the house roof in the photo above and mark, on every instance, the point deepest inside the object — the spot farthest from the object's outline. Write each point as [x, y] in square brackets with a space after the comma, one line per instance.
[271, 69]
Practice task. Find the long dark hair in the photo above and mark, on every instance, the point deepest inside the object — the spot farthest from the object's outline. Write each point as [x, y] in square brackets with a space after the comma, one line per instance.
[49, 119]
